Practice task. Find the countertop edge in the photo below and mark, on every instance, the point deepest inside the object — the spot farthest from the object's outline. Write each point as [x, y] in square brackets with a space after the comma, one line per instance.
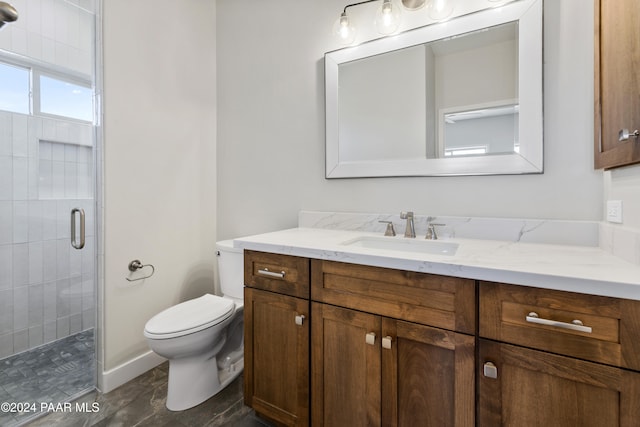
[274, 243]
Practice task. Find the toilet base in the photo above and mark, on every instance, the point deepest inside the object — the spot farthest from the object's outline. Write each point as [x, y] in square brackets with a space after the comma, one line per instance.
[191, 382]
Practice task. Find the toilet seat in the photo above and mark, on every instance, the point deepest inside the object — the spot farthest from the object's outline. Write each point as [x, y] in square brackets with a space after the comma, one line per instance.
[189, 317]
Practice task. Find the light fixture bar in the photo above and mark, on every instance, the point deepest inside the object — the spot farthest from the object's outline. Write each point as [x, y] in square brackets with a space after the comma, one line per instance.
[357, 4]
[387, 21]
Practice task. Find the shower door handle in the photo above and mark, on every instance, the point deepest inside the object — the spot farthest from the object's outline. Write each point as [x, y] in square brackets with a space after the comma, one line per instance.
[74, 242]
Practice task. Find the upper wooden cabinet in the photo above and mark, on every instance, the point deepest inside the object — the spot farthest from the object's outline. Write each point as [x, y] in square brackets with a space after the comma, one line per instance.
[617, 82]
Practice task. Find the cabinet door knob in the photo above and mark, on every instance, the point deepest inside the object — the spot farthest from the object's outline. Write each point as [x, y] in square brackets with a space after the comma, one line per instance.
[370, 338]
[624, 134]
[386, 342]
[300, 319]
[490, 370]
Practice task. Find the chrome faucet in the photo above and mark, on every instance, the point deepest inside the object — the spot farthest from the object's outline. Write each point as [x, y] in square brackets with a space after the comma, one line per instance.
[410, 231]
[431, 231]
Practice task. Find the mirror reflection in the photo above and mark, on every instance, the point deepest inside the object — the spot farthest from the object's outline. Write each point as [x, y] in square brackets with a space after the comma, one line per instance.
[451, 97]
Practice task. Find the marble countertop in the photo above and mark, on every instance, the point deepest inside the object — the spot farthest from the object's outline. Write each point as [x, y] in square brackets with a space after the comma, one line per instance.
[584, 269]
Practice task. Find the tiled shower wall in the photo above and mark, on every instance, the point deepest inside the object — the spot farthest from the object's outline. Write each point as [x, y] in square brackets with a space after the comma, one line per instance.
[58, 32]
[47, 288]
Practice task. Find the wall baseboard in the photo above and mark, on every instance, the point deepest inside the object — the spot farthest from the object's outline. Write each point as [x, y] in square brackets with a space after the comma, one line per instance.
[114, 378]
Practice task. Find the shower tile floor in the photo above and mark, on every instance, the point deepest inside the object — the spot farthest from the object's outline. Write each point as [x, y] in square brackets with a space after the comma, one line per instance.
[53, 373]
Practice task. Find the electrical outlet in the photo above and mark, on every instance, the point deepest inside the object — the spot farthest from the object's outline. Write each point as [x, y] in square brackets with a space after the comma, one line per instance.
[614, 211]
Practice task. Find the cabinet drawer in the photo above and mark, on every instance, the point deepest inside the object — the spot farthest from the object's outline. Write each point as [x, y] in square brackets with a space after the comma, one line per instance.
[440, 301]
[284, 274]
[589, 327]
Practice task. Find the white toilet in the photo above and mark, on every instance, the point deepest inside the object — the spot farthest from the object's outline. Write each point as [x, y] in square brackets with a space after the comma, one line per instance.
[203, 338]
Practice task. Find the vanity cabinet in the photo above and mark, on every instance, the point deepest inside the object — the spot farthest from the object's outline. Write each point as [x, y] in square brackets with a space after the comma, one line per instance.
[276, 319]
[557, 358]
[336, 344]
[371, 368]
[617, 82]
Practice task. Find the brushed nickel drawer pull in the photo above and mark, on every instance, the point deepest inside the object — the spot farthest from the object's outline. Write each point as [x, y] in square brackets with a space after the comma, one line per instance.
[266, 272]
[575, 325]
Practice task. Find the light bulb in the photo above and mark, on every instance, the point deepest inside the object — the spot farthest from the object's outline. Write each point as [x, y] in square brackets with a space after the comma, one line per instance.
[439, 10]
[344, 31]
[387, 18]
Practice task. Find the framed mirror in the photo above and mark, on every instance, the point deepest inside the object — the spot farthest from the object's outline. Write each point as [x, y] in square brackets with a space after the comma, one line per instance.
[462, 97]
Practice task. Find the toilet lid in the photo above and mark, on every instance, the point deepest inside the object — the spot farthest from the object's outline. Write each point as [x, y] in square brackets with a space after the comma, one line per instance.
[195, 314]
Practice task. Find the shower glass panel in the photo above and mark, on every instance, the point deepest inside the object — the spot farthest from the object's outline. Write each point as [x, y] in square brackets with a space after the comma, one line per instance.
[48, 158]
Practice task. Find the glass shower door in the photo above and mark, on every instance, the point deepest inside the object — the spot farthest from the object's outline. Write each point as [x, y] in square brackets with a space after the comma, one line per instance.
[47, 203]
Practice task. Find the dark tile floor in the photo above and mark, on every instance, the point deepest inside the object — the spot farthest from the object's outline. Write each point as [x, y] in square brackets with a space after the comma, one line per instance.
[55, 372]
[141, 402]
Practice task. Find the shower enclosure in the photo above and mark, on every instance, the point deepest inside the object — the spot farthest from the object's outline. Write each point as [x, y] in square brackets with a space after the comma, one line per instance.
[48, 161]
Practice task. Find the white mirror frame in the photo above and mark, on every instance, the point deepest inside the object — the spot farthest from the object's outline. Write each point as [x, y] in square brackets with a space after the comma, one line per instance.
[529, 160]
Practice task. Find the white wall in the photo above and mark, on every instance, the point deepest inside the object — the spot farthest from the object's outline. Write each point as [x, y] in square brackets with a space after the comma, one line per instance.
[160, 137]
[271, 127]
[159, 156]
[624, 184]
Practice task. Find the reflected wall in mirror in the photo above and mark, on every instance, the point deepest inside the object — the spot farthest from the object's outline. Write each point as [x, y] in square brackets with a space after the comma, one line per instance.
[459, 98]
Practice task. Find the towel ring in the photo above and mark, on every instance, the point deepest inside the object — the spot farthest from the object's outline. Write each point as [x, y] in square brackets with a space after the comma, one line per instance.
[136, 265]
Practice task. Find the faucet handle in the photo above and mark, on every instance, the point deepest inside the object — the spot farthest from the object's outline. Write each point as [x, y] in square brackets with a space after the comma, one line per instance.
[390, 231]
[431, 231]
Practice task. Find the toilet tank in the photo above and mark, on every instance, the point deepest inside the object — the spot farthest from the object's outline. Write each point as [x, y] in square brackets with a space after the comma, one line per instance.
[230, 269]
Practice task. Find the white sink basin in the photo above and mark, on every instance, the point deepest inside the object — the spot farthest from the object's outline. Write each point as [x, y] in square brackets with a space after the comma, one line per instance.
[404, 245]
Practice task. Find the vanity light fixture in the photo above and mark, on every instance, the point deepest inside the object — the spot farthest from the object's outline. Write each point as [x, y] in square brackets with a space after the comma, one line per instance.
[413, 4]
[387, 19]
[439, 10]
[343, 29]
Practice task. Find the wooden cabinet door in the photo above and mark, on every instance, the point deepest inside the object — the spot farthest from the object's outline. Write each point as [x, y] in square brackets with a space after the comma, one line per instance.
[427, 376]
[534, 388]
[617, 81]
[345, 367]
[276, 376]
